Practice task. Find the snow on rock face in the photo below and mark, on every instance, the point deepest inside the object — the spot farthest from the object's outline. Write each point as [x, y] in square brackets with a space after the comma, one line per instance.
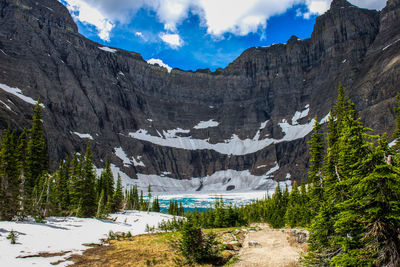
[206, 124]
[120, 153]
[300, 114]
[154, 61]
[272, 170]
[108, 49]
[83, 136]
[233, 146]
[18, 93]
[60, 234]
[7, 106]
[137, 162]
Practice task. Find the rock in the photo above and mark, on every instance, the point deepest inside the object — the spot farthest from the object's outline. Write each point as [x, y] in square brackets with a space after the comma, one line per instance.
[83, 90]
[253, 243]
[233, 245]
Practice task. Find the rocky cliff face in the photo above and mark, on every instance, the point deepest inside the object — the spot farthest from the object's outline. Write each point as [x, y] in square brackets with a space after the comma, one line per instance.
[253, 117]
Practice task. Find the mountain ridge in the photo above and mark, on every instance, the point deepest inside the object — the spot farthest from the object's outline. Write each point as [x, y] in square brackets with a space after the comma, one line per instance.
[126, 105]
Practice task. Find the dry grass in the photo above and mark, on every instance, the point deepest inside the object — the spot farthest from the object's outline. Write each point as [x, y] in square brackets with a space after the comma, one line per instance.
[141, 250]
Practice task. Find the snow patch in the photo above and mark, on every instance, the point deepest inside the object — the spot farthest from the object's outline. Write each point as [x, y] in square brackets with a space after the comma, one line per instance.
[272, 170]
[206, 124]
[288, 176]
[325, 119]
[60, 234]
[120, 153]
[107, 49]
[154, 61]
[261, 166]
[137, 162]
[386, 47]
[18, 93]
[83, 136]
[7, 106]
[232, 146]
[300, 114]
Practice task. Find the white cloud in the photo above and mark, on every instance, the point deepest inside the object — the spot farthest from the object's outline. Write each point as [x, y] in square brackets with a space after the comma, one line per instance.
[86, 13]
[239, 17]
[139, 34]
[172, 39]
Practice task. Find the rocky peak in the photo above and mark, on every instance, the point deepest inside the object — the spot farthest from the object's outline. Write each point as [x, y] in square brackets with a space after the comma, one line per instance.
[340, 4]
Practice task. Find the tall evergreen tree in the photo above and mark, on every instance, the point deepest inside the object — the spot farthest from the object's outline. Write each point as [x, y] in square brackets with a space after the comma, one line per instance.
[106, 182]
[37, 155]
[88, 201]
[75, 185]
[118, 195]
[9, 177]
[315, 170]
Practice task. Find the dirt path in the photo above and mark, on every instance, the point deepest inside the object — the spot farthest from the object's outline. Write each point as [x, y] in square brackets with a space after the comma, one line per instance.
[268, 248]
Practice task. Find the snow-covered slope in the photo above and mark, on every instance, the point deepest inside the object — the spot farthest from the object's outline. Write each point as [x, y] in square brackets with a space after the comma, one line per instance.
[66, 234]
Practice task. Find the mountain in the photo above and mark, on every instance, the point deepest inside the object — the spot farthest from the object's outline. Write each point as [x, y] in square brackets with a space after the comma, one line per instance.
[241, 126]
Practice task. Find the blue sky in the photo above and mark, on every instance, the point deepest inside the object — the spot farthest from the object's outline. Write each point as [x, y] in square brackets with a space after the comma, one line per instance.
[197, 34]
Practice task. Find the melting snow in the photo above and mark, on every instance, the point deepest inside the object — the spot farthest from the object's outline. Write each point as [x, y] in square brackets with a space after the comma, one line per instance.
[60, 234]
[386, 47]
[154, 61]
[84, 136]
[325, 119]
[18, 93]
[7, 106]
[206, 124]
[120, 153]
[232, 146]
[300, 114]
[272, 170]
[138, 162]
[108, 49]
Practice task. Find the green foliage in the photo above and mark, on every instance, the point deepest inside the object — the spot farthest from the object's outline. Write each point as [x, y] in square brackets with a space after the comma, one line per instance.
[118, 195]
[358, 220]
[9, 177]
[12, 236]
[196, 247]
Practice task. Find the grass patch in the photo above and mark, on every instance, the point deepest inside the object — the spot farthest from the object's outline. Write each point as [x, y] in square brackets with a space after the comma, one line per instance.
[143, 250]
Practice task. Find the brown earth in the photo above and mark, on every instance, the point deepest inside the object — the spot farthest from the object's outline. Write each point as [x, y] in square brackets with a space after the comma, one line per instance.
[270, 247]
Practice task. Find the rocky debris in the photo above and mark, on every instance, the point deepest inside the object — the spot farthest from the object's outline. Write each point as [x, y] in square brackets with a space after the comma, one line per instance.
[84, 92]
[233, 245]
[253, 243]
[300, 235]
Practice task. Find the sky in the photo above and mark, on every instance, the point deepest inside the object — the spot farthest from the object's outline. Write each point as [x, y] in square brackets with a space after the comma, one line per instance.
[197, 34]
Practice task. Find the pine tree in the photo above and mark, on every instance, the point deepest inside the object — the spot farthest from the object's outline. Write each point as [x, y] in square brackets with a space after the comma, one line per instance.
[36, 156]
[75, 184]
[396, 133]
[100, 214]
[314, 173]
[106, 182]
[118, 195]
[88, 179]
[9, 177]
[292, 213]
[374, 205]
[21, 158]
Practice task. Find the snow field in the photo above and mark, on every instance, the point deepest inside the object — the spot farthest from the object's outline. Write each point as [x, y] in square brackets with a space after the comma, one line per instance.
[61, 234]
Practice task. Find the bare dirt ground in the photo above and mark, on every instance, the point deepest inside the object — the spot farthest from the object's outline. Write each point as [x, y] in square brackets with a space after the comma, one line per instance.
[269, 248]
